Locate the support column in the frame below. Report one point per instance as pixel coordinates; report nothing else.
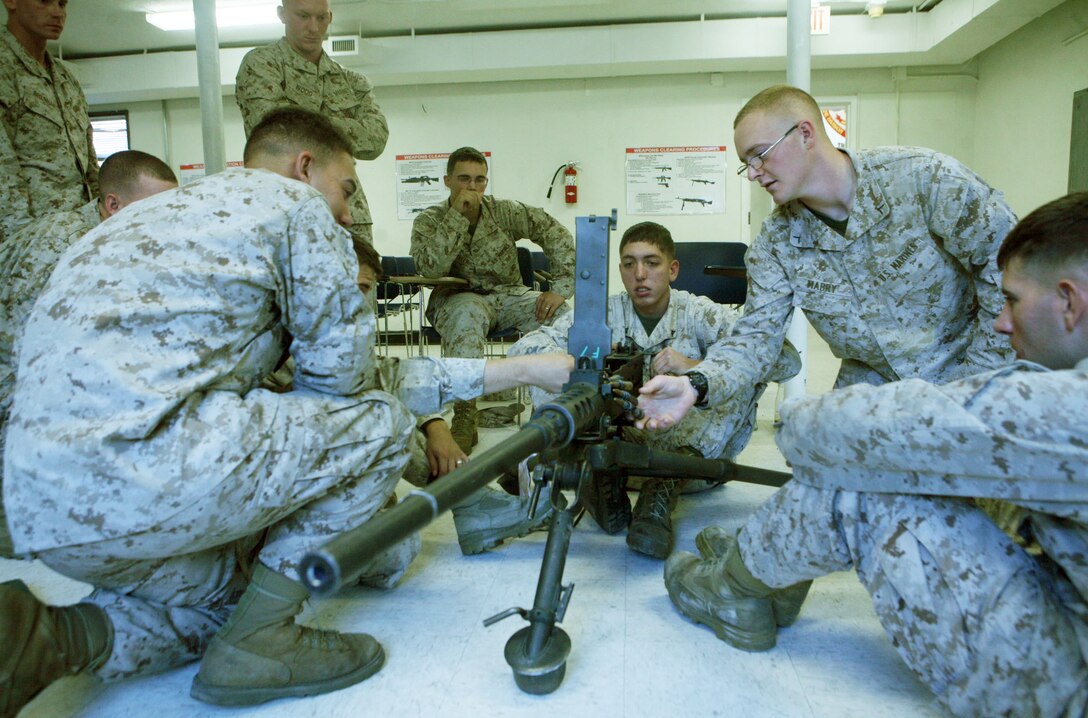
(211, 90)
(798, 74)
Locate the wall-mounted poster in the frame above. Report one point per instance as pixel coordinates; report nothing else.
(188, 173)
(419, 182)
(835, 125)
(676, 180)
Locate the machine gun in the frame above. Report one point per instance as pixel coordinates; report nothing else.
(424, 180)
(703, 181)
(685, 200)
(576, 438)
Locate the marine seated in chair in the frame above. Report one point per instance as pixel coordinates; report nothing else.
(473, 237)
(886, 483)
(144, 459)
(675, 328)
(483, 520)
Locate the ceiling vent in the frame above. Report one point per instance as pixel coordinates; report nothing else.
(341, 45)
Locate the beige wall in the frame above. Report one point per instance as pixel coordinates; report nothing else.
(1006, 115)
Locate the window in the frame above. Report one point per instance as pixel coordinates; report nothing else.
(110, 131)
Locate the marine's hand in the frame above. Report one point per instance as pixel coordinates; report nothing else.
(547, 304)
(443, 453)
(670, 361)
(467, 202)
(664, 401)
(550, 371)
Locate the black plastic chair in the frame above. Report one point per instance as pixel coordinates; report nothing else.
(696, 256)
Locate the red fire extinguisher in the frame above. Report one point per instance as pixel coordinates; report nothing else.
(570, 182)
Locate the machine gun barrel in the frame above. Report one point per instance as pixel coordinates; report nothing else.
(554, 425)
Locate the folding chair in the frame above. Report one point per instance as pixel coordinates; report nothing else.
(713, 269)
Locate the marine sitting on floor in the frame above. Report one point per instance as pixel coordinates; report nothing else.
(886, 482)
(199, 492)
(677, 327)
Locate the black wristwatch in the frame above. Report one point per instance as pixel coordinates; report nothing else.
(698, 382)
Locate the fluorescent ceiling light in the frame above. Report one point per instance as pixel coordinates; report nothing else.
(231, 16)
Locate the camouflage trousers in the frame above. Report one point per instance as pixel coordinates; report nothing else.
(979, 620)
(464, 320)
(166, 601)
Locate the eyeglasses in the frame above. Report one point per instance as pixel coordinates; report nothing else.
(756, 161)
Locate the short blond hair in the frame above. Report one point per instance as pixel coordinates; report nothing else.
(785, 100)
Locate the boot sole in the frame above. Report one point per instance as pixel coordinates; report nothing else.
(646, 545)
(745, 641)
(242, 696)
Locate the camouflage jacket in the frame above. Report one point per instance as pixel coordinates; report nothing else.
(275, 76)
(1018, 433)
(46, 152)
(135, 391)
(488, 258)
(912, 290)
(26, 261)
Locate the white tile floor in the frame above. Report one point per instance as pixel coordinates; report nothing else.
(633, 654)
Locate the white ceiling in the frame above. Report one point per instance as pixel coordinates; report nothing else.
(98, 28)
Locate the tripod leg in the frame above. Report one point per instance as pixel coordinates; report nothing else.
(538, 652)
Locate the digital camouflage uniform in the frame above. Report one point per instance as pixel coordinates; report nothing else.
(46, 151)
(690, 325)
(883, 483)
(496, 297)
(276, 76)
(147, 463)
(912, 290)
(26, 261)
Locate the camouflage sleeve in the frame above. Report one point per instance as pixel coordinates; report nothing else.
(14, 196)
(331, 321)
(258, 88)
(423, 383)
(746, 357)
(438, 235)
(533, 223)
(973, 219)
(366, 126)
(92, 160)
(992, 435)
(711, 322)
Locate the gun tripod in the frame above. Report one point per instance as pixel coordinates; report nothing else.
(537, 653)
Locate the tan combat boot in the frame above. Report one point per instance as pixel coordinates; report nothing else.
(261, 654)
(488, 517)
(43, 643)
(650, 532)
(721, 593)
(463, 426)
(714, 541)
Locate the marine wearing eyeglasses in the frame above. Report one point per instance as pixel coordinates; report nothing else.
(890, 252)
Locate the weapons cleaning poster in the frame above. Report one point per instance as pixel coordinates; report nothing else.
(676, 180)
(419, 182)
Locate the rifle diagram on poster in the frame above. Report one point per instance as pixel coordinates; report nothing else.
(676, 180)
(420, 185)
